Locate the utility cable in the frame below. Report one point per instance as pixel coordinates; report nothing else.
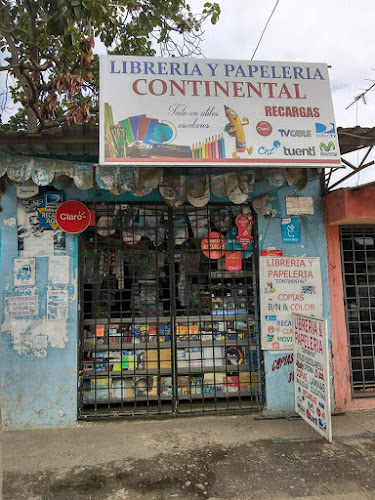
(264, 30)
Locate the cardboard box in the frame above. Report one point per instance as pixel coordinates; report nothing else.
(122, 388)
(152, 356)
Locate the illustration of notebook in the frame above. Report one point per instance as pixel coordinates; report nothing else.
(144, 123)
(150, 137)
(134, 122)
(128, 129)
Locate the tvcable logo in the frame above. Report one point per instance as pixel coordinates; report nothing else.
(295, 133)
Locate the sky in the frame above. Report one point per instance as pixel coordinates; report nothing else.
(337, 32)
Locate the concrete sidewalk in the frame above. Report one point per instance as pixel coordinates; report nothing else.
(218, 457)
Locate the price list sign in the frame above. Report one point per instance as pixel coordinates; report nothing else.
(311, 373)
(288, 285)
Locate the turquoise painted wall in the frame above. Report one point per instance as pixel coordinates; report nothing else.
(39, 387)
(39, 381)
(279, 393)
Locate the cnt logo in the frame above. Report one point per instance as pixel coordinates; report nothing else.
(325, 130)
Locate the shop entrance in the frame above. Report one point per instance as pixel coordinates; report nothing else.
(358, 264)
(169, 319)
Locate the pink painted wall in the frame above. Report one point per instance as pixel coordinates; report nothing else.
(354, 206)
(340, 348)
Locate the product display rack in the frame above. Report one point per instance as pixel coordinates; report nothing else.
(136, 359)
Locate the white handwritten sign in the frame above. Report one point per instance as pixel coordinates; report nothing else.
(287, 285)
(311, 373)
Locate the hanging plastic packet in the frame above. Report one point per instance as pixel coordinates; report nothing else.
(105, 226)
(180, 229)
(151, 226)
(222, 219)
(198, 193)
(124, 215)
(106, 177)
(246, 182)
(127, 178)
(199, 223)
(83, 175)
(20, 170)
(5, 160)
(296, 177)
(233, 189)
(274, 176)
(173, 189)
(149, 179)
(218, 185)
(43, 171)
(267, 205)
(64, 168)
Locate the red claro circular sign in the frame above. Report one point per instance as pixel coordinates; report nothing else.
(264, 128)
(213, 245)
(73, 217)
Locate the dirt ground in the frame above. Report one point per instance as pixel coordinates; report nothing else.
(216, 458)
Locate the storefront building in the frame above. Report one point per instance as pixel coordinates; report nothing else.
(351, 255)
(169, 288)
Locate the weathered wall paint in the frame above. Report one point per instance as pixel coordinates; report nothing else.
(279, 374)
(38, 356)
(278, 394)
(340, 346)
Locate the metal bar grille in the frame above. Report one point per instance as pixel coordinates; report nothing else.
(165, 328)
(358, 264)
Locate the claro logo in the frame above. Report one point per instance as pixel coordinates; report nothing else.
(79, 216)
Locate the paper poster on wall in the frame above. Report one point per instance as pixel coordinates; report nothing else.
(58, 270)
(287, 285)
(311, 373)
(24, 272)
(34, 238)
(291, 230)
(299, 205)
(57, 303)
(23, 306)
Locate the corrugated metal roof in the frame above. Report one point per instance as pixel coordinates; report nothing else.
(81, 142)
(354, 138)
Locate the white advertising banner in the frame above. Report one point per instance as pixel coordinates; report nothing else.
(287, 285)
(311, 373)
(168, 111)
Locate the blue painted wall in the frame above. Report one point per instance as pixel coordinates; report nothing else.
(41, 390)
(39, 387)
(279, 394)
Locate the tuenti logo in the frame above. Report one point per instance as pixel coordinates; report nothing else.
(327, 149)
(299, 151)
(325, 130)
(294, 133)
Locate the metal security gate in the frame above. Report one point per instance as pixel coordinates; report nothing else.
(358, 264)
(165, 326)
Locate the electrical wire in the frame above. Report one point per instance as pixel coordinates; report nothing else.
(264, 30)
